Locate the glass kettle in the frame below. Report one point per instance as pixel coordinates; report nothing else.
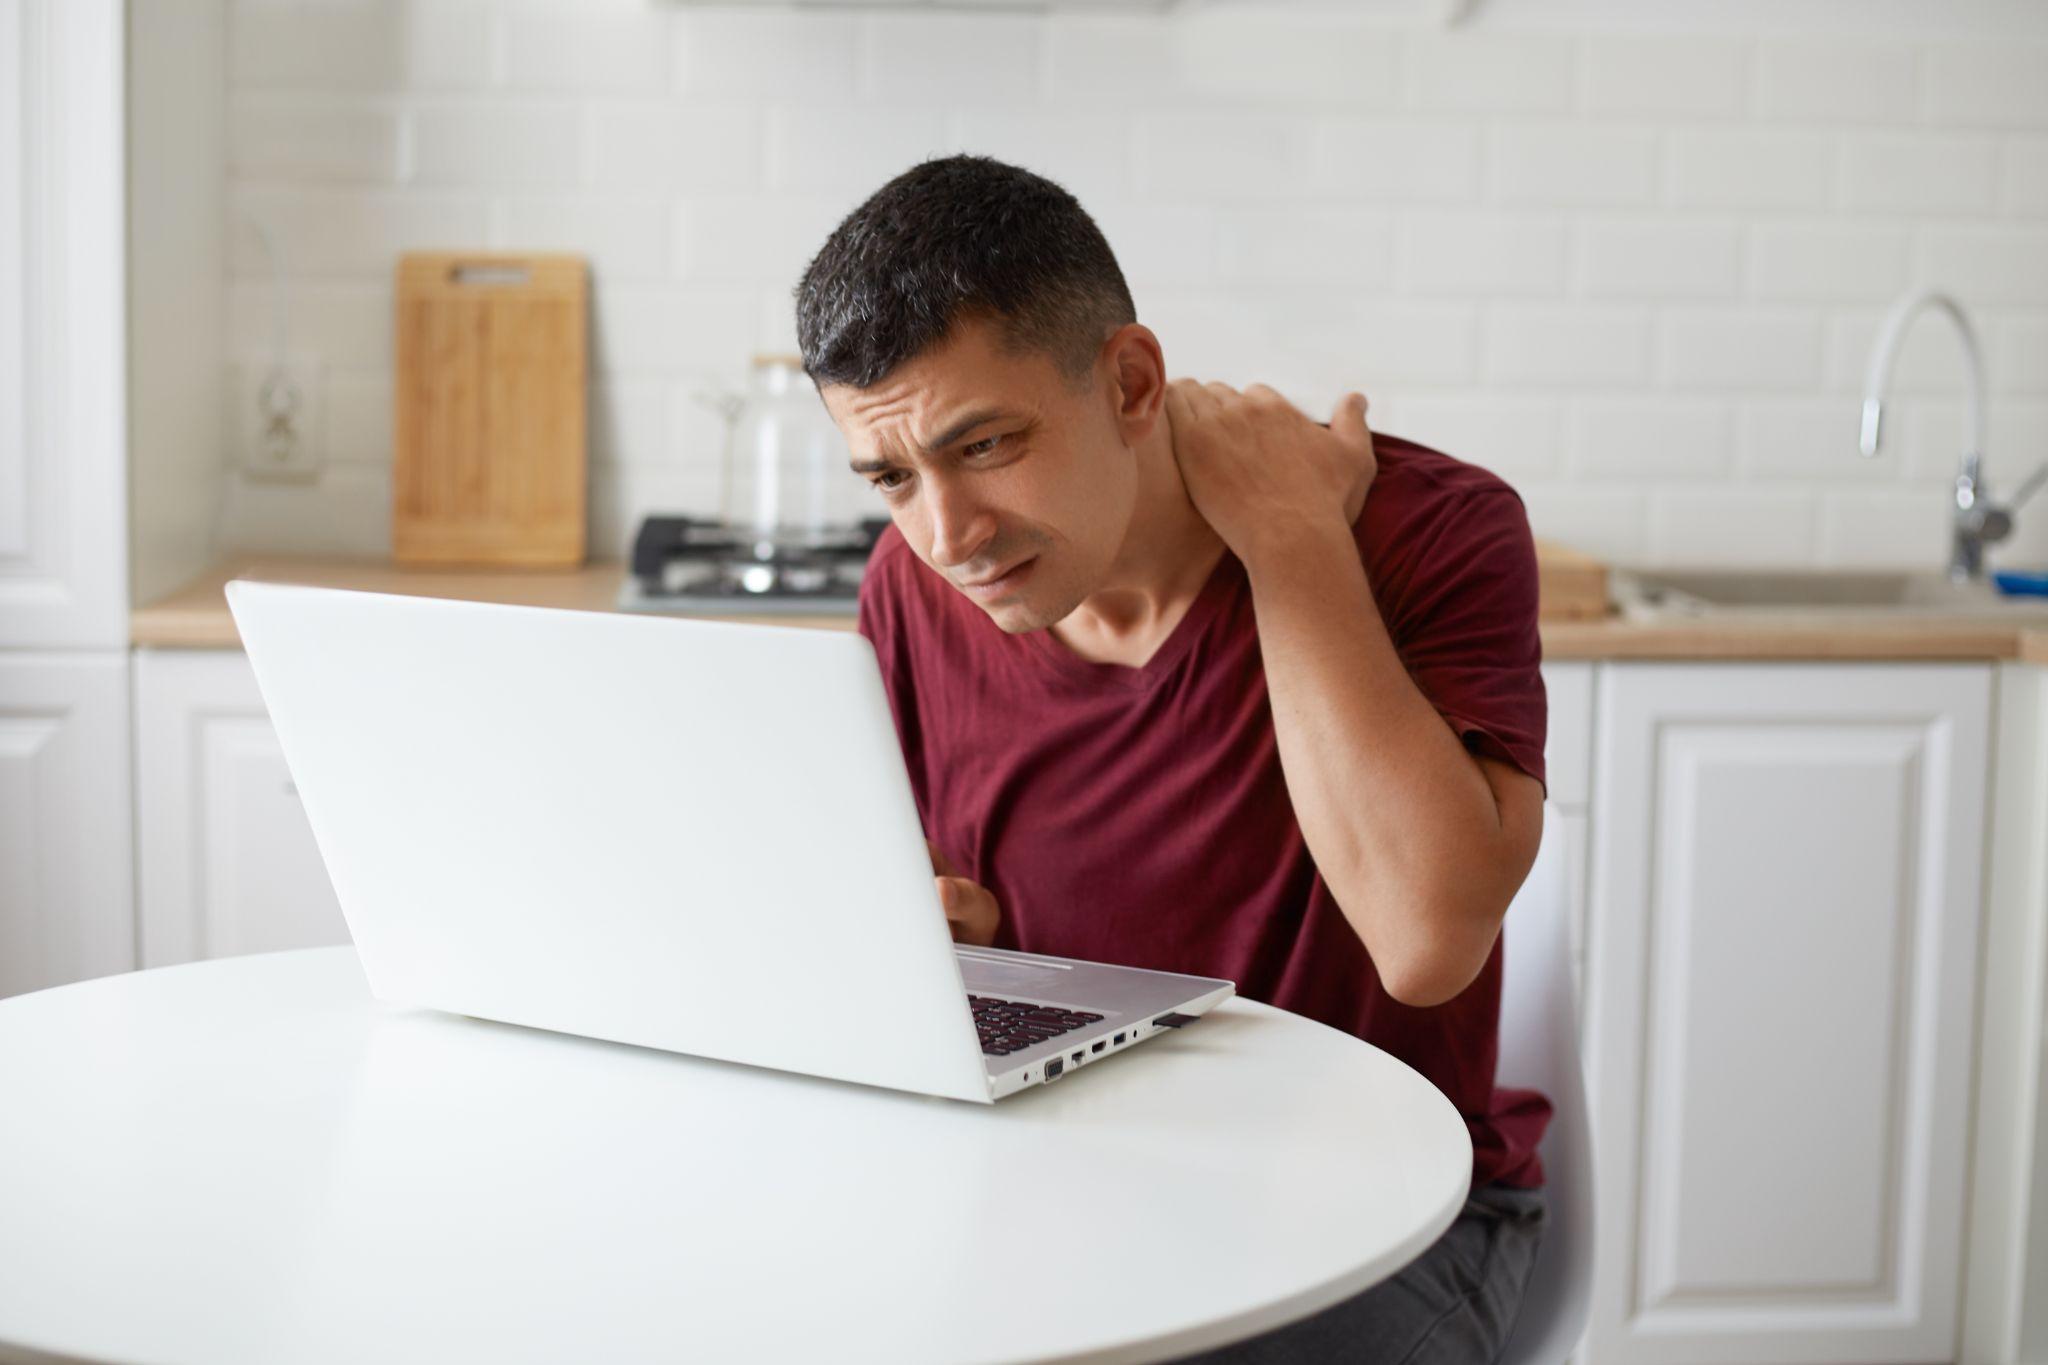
(784, 485)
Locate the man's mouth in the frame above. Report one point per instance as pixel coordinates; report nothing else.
(1002, 583)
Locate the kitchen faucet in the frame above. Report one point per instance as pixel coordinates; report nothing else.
(1978, 521)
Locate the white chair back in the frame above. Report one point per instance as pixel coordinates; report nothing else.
(1539, 1050)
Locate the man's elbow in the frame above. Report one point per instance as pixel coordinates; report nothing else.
(1440, 971)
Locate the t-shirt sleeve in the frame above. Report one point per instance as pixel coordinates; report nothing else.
(1468, 631)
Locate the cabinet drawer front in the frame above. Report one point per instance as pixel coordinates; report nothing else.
(228, 860)
(1781, 962)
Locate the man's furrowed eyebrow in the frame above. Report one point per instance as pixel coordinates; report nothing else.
(966, 423)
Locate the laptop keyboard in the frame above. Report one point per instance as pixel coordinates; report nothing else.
(1008, 1026)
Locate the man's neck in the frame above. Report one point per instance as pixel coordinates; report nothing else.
(1167, 555)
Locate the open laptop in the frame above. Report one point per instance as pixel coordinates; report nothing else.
(690, 835)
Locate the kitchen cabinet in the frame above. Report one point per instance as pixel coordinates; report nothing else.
(66, 891)
(227, 856)
(1786, 868)
(65, 859)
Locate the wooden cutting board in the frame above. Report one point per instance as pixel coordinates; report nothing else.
(488, 456)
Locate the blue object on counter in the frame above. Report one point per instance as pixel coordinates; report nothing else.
(2015, 583)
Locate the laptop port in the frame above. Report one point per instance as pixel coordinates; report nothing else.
(1098, 1047)
(1118, 1040)
(1077, 1058)
(1053, 1069)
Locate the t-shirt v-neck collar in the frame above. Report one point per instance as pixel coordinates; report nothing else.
(1165, 659)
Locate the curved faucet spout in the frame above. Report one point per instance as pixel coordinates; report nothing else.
(1889, 334)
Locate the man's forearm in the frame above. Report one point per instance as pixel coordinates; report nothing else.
(1400, 820)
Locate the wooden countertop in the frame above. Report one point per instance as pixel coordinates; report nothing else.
(196, 615)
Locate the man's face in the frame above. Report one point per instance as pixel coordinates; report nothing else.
(1006, 480)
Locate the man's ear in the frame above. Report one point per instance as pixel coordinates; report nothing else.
(1138, 368)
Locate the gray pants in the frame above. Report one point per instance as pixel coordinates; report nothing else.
(1451, 1305)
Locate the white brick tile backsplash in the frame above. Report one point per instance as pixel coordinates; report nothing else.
(1710, 527)
(532, 146)
(1812, 440)
(1730, 169)
(652, 148)
(1565, 164)
(1923, 173)
(855, 150)
(1651, 439)
(1326, 346)
(1110, 59)
(1089, 155)
(1828, 261)
(1223, 156)
(611, 50)
(1567, 346)
(346, 513)
(971, 57)
(1676, 76)
(1659, 258)
(1516, 438)
(1158, 244)
(1272, 54)
(2024, 171)
(432, 45)
(1986, 83)
(1988, 267)
(1835, 78)
(1929, 360)
(343, 325)
(765, 55)
(753, 238)
(1490, 73)
(2018, 356)
(1869, 528)
(1351, 247)
(1606, 521)
(641, 329)
(326, 47)
(288, 139)
(1486, 254)
(622, 239)
(1935, 432)
(358, 416)
(1407, 161)
(626, 418)
(1740, 349)
(334, 232)
(1636, 269)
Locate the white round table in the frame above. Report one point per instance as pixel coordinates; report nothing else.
(251, 1160)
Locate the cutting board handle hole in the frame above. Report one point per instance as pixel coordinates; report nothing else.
(488, 274)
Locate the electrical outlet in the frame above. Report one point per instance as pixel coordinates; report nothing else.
(279, 418)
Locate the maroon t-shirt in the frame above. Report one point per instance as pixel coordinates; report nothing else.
(1139, 815)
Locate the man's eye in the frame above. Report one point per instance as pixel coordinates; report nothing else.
(983, 446)
(884, 483)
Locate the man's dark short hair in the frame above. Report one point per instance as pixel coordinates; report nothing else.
(953, 238)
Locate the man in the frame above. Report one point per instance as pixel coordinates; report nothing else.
(1186, 680)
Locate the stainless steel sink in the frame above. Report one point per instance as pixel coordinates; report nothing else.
(1650, 594)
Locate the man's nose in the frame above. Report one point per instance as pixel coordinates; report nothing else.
(960, 525)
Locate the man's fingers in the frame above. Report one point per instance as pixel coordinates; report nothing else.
(941, 864)
(971, 911)
(1348, 418)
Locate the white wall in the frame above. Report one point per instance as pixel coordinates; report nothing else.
(176, 258)
(1637, 272)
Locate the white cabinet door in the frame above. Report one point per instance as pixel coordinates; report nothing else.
(63, 370)
(1781, 965)
(66, 897)
(228, 863)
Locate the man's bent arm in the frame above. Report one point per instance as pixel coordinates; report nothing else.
(1421, 843)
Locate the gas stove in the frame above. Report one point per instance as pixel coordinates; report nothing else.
(697, 564)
